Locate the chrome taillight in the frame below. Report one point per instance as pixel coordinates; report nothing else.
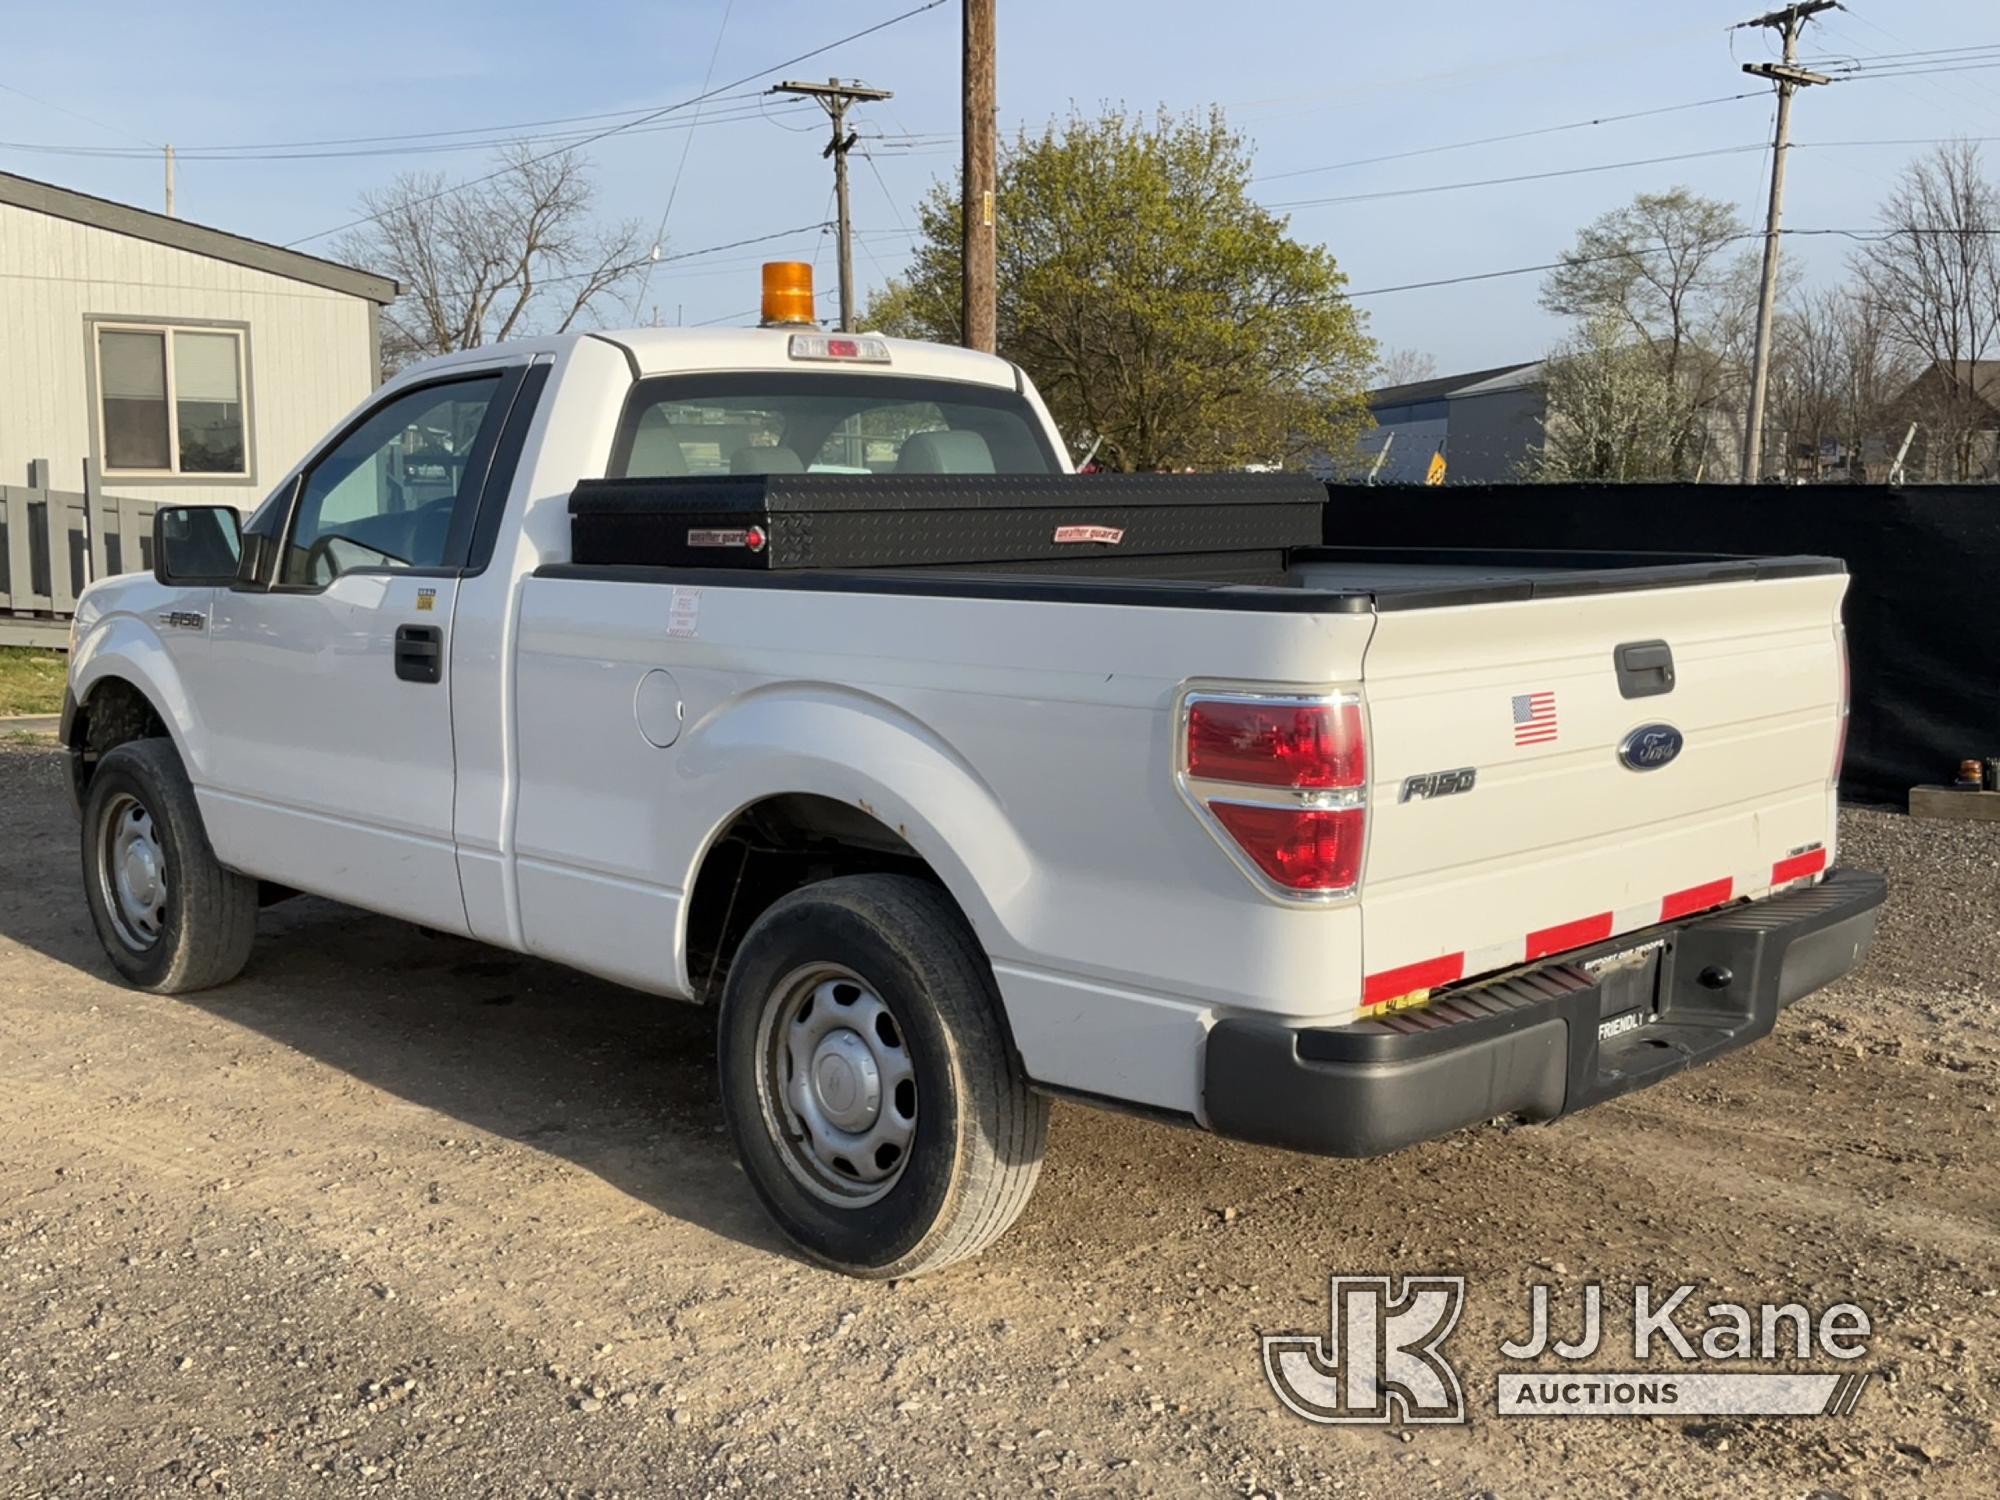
(1280, 779)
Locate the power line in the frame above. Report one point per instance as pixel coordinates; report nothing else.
(401, 136)
(1866, 73)
(1452, 187)
(1926, 96)
(652, 260)
(1351, 93)
(1929, 51)
(63, 109)
(1516, 135)
(687, 145)
(1865, 235)
(751, 312)
(574, 137)
(765, 72)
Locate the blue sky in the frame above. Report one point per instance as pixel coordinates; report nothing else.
(1312, 85)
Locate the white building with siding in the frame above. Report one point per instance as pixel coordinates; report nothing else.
(184, 363)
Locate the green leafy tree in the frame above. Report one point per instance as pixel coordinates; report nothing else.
(1161, 312)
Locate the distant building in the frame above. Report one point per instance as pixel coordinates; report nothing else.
(184, 362)
(1956, 409)
(1486, 420)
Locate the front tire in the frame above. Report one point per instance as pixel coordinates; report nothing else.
(869, 1081)
(170, 917)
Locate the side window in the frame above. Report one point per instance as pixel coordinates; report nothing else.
(385, 495)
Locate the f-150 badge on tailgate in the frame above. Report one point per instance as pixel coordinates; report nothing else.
(1439, 783)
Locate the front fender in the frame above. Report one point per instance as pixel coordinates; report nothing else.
(116, 638)
(862, 750)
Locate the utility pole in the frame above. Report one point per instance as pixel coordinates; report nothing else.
(170, 181)
(978, 178)
(1789, 77)
(834, 97)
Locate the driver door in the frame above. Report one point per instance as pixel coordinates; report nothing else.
(328, 702)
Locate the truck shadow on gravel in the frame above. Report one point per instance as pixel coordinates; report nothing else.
(617, 1083)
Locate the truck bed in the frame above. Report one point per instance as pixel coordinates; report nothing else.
(1315, 580)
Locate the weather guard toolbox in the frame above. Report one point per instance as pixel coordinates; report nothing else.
(1217, 527)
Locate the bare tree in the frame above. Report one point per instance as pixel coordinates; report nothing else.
(1934, 279)
(517, 254)
(1402, 367)
(1667, 269)
(1837, 379)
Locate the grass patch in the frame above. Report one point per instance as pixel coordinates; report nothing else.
(31, 680)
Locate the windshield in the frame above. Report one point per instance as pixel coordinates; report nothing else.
(823, 423)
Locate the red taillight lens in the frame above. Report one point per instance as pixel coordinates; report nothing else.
(1300, 822)
(1299, 848)
(1304, 746)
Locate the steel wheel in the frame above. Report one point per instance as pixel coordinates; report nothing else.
(132, 872)
(837, 1083)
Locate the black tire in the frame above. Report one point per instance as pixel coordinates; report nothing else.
(979, 1130)
(201, 932)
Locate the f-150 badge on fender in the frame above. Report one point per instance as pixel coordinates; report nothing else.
(1650, 746)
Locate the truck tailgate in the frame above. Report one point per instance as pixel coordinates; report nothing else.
(1556, 841)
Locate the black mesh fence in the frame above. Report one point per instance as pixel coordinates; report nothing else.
(1923, 604)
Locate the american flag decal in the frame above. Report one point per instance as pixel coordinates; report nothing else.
(1534, 718)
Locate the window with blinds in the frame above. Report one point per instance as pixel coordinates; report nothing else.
(171, 401)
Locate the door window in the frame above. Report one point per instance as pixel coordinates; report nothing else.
(386, 495)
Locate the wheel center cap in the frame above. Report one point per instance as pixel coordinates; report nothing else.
(142, 873)
(847, 1084)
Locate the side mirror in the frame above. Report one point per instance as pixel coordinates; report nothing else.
(196, 544)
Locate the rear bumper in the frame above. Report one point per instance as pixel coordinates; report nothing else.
(1528, 1044)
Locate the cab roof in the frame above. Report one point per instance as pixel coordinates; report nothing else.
(671, 351)
(667, 351)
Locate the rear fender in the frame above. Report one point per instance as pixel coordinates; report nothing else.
(861, 750)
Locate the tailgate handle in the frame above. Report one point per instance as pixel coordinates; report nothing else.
(1645, 669)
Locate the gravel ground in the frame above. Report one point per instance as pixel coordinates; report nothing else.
(393, 1210)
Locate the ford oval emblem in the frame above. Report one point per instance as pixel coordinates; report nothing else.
(1650, 746)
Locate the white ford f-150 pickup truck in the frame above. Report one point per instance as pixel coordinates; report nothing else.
(861, 718)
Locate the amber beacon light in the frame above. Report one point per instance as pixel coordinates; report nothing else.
(788, 293)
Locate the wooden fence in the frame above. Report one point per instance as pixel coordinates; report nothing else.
(53, 543)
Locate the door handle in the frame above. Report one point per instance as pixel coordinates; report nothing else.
(1645, 668)
(420, 653)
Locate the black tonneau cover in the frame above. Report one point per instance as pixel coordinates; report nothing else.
(1431, 578)
(1211, 527)
(1187, 541)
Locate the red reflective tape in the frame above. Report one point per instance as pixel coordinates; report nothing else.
(1568, 935)
(1393, 984)
(1696, 898)
(1809, 863)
